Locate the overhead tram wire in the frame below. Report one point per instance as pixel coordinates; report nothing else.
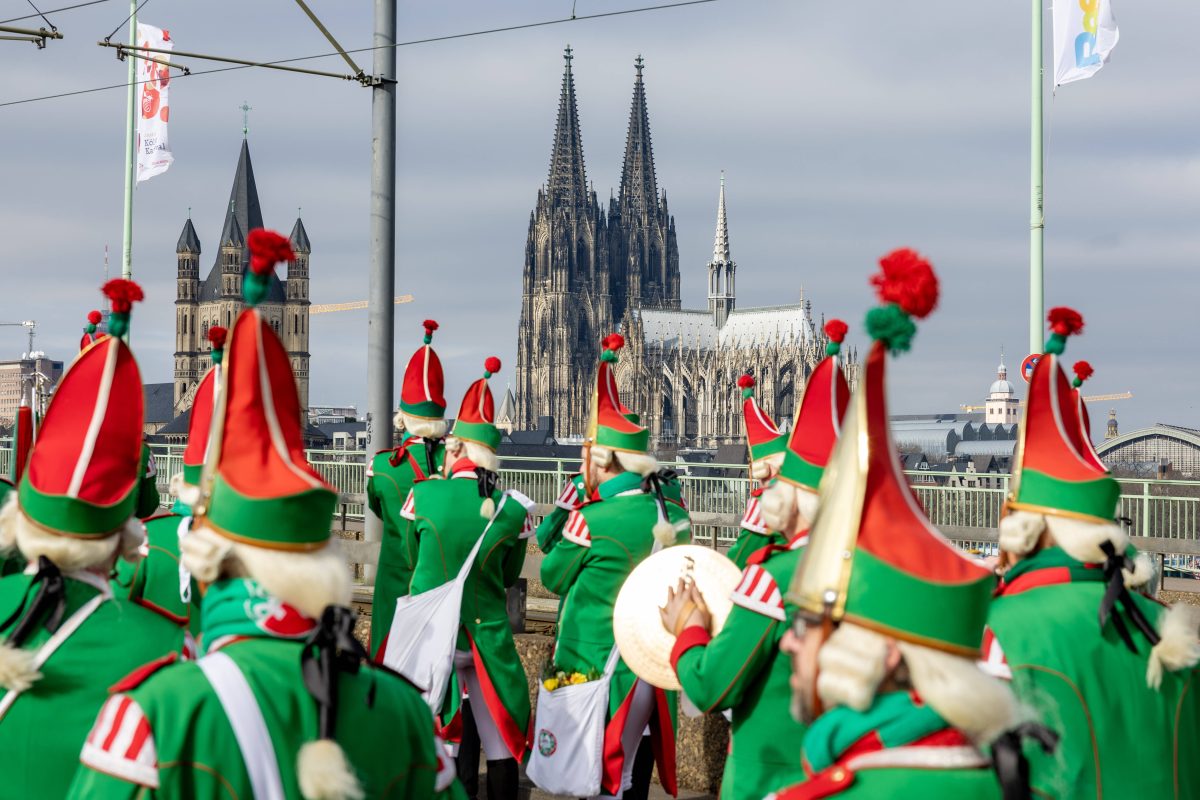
(413, 42)
(54, 11)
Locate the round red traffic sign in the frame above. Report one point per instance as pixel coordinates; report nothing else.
(1028, 364)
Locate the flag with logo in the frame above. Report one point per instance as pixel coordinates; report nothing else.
(153, 151)
(1085, 33)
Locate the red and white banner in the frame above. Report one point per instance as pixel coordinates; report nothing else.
(153, 151)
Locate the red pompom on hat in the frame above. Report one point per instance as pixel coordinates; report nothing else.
(94, 317)
(1083, 370)
(614, 342)
(491, 366)
(122, 294)
(216, 337)
(430, 325)
(746, 382)
(836, 330)
(268, 248)
(907, 280)
(1065, 321)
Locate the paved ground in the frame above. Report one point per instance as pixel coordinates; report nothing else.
(530, 792)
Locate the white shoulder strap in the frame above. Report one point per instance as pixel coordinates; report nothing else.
(249, 727)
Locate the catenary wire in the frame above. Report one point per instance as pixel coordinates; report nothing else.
(409, 43)
(40, 14)
(55, 11)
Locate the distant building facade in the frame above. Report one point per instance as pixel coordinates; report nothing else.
(17, 379)
(589, 270)
(216, 299)
(1159, 451)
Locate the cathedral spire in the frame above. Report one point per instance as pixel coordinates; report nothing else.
(721, 242)
(639, 189)
(567, 185)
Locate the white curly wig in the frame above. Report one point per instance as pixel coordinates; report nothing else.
(420, 426)
(641, 463)
(69, 553)
(788, 508)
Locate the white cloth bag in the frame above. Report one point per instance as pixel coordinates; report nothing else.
(424, 631)
(568, 742)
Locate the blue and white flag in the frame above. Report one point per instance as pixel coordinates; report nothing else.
(1085, 32)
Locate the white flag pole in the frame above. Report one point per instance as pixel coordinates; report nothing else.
(1037, 218)
(130, 161)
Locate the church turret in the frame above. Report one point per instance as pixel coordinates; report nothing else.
(187, 290)
(722, 268)
(295, 314)
(1002, 406)
(1111, 432)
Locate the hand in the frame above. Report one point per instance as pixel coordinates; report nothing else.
(685, 607)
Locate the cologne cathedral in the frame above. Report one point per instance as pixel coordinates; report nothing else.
(590, 270)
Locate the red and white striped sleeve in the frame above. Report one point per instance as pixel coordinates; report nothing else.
(752, 520)
(569, 498)
(576, 530)
(409, 509)
(759, 593)
(993, 662)
(121, 743)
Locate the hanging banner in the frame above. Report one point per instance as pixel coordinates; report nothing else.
(153, 152)
(1085, 32)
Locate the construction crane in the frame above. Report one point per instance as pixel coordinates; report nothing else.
(1092, 398)
(27, 323)
(326, 308)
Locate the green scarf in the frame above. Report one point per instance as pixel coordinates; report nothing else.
(895, 718)
(242, 607)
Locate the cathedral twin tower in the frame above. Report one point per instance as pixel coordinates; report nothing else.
(585, 266)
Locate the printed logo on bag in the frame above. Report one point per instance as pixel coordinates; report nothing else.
(547, 743)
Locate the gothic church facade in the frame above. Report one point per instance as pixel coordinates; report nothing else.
(589, 270)
(217, 298)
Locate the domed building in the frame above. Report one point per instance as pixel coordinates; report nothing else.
(1002, 406)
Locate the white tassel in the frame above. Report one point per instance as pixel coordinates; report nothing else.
(1142, 572)
(1020, 532)
(17, 672)
(1179, 644)
(325, 773)
(487, 508)
(664, 533)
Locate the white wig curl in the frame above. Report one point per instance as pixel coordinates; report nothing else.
(420, 426)
(641, 463)
(787, 508)
(479, 454)
(762, 469)
(69, 553)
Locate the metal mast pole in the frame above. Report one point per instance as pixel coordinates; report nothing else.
(381, 321)
(130, 162)
(1037, 218)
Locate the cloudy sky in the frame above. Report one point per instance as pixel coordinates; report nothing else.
(845, 129)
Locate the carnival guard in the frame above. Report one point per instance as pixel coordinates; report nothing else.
(284, 701)
(741, 668)
(465, 524)
(64, 636)
(891, 615)
(1109, 667)
(391, 474)
(765, 446)
(601, 544)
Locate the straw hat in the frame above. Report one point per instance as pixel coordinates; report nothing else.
(643, 642)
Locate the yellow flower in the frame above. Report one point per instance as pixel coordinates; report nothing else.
(578, 678)
(551, 684)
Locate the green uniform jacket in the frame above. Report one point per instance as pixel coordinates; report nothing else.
(572, 496)
(1119, 737)
(148, 498)
(43, 730)
(185, 746)
(895, 750)
(390, 476)
(754, 534)
(153, 582)
(743, 670)
(601, 544)
(445, 523)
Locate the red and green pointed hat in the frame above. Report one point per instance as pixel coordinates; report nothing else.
(82, 476)
(819, 420)
(1083, 370)
(476, 420)
(90, 331)
(612, 425)
(22, 440)
(873, 558)
(762, 435)
(423, 392)
(258, 487)
(200, 421)
(1056, 471)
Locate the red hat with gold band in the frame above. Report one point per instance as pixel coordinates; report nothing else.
(476, 421)
(1055, 470)
(82, 476)
(763, 437)
(612, 425)
(423, 391)
(258, 487)
(818, 422)
(873, 557)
